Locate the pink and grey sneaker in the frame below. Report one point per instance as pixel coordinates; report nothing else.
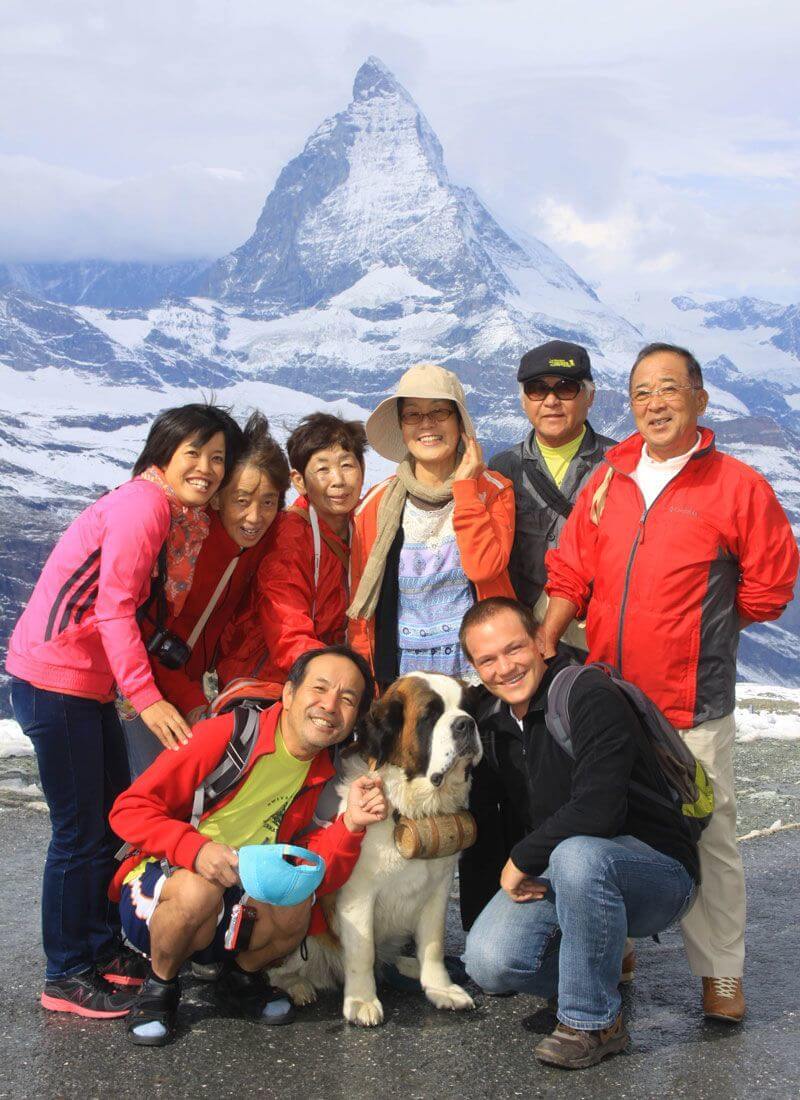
(125, 967)
(87, 994)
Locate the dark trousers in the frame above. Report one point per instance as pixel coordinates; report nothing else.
(83, 766)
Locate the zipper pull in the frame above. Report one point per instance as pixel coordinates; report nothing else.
(641, 527)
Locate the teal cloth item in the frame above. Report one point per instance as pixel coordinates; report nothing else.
(267, 875)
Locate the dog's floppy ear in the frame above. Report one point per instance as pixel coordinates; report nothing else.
(378, 730)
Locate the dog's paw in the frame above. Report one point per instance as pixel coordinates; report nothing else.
(452, 996)
(301, 991)
(363, 1013)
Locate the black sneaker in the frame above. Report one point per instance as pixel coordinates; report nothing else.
(87, 994)
(238, 993)
(153, 1017)
(125, 967)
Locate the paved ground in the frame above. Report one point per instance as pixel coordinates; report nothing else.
(419, 1052)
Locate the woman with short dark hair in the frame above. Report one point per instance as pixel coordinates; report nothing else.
(75, 645)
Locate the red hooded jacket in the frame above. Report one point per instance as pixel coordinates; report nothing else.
(663, 589)
(184, 686)
(154, 813)
(287, 614)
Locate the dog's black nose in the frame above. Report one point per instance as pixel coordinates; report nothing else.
(464, 725)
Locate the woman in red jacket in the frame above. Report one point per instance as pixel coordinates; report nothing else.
(299, 596)
(77, 643)
(432, 539)
(242, 513)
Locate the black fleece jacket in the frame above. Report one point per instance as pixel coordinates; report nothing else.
(528, 795)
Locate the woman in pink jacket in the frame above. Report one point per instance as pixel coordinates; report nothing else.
(75, 646)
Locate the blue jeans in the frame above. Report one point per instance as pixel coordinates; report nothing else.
(83, 767)
(571, 942)
(142, 746)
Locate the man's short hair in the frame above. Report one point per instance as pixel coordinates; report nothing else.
(485, 610)
(320, 431)
(693, 368)
(297, 673)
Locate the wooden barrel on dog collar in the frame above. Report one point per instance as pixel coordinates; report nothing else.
(436, 836)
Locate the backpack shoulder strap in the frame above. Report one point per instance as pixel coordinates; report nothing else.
(545, 488)
(556, 715)
(233, 763)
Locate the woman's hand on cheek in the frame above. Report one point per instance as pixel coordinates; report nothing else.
(471, 464)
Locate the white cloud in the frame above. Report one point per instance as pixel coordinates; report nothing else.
(638, 145)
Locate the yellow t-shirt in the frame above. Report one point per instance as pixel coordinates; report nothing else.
(559, 458)
(254, 814)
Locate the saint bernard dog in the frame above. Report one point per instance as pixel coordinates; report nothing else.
(423, 744)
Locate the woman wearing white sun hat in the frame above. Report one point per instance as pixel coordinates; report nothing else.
(433, 538)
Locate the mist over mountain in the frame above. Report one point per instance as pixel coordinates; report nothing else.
(365, 259)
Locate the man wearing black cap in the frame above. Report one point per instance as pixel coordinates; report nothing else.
(549, 467)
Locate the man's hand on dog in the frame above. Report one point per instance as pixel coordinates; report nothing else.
(218, 863)
(519, 886)
(366, 803)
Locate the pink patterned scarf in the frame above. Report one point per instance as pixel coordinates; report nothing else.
(187, 532)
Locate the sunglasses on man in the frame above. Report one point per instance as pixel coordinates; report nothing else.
(565, 389)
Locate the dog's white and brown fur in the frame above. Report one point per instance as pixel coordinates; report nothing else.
(422, 743)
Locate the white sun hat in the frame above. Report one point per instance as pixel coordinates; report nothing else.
(423, 380)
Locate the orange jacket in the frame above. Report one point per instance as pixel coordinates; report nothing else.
(483, 520)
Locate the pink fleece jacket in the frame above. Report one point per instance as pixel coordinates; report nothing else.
(78, 633)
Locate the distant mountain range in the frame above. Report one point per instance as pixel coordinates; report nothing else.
(365, 259)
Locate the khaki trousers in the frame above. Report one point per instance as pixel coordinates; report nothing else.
(713, 929)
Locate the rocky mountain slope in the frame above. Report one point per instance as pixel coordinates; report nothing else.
(365, 259)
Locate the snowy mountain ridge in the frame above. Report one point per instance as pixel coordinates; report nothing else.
(365, 259)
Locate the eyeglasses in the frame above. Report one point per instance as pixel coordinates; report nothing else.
(670, 392)
(565, 389)
(436, 416)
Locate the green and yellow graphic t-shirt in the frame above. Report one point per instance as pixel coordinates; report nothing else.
(559, 458)
(254, 814)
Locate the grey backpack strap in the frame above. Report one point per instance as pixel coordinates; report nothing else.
(234, 762)
(557, 713)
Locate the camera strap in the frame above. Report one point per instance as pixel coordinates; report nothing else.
(191, 641)
(158, 592)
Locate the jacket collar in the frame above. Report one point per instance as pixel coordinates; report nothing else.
(304, 503)
(494, 709)
(217, 535)
(625, 456)
(321, 768)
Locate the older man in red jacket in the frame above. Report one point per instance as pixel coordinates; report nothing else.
(672, 549)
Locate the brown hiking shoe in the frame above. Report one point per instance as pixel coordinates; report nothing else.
(723, 999)
(628, 965)
(573, 1049)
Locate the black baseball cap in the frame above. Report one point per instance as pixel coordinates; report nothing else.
(555, 357)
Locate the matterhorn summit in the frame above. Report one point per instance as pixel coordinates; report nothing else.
(371, 189)
(366, 225)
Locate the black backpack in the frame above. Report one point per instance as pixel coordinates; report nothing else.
(691, 793)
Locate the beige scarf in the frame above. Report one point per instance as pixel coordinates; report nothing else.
(390, 514)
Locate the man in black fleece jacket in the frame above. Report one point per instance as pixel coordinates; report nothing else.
(582, 857)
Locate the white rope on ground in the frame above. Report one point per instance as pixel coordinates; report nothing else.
(777, 827)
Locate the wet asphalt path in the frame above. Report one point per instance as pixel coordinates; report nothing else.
(419, 1052)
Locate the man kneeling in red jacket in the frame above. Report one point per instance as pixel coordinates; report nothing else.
(177, 891)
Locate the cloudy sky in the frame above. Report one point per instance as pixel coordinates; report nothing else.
(652, 146)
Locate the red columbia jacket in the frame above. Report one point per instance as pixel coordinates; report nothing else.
(154, 813)
(184, 686)
(663, 589)
(286, 614)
